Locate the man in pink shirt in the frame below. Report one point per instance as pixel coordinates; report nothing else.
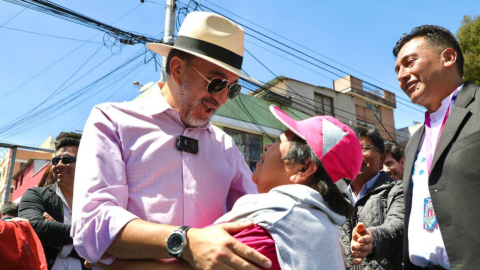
(148, 166)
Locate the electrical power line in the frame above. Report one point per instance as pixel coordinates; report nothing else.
(13, 17)
(289, 47)
(64, 13)
(48, 35)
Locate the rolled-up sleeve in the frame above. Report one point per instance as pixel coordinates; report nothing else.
(101, 190)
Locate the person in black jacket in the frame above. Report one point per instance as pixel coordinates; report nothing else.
(49, 209)
(379, 210)
(441, 159)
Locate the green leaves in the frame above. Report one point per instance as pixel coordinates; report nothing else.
(468, 36)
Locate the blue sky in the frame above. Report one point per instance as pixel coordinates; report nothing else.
(354, 36)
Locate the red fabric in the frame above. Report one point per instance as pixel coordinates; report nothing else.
(20, 247)
(259, 239)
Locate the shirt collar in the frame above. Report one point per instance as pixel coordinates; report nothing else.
(440, 113)
(59, 192)
(372, 181)
(364, 189)
(153, 102)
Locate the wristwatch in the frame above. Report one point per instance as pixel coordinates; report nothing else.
(177, 241)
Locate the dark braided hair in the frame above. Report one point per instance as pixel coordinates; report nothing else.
(301, 152)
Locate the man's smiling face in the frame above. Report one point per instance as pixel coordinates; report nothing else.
(420, 72)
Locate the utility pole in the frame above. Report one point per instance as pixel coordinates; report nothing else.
(169, 32)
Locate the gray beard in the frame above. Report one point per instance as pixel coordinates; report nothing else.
(187, 103)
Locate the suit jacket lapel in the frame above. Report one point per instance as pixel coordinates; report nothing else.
(56, 202)
(455, 119)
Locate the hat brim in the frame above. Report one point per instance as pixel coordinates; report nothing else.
(164, 49)
(286, 120)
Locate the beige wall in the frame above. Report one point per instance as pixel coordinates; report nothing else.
(386, 117)
(347, 82)
(344, 107)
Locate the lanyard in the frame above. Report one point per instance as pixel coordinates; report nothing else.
(428, 130)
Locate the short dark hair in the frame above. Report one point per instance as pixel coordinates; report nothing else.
(10, 209)
(437, 37)
(174, 52)
(373, 135)
(300, 152)
(394, 150)
(66, 142)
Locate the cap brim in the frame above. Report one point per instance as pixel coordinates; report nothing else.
(164, 49)
(286, 120)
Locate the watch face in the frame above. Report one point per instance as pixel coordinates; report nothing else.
(175, 243)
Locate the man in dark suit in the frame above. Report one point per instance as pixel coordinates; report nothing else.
(442, 165)
(49, 209)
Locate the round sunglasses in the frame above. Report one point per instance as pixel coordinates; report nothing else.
(65, 160)
(218, 84)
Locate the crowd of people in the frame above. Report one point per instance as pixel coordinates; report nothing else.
(154, 185)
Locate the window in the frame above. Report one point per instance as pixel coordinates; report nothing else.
(375, 108)
(249, 144)
(323, 105)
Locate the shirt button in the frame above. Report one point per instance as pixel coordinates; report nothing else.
(187, 159)
(436, 190)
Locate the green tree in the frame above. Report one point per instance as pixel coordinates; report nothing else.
(468, 36)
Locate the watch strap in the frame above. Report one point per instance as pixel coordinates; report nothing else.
(180, 230)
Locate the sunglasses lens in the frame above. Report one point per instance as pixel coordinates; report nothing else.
(68, 159)
(55, 160)
(216, 85)
(234, 90)
(65, 160)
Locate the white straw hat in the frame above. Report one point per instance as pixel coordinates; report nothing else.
(210, 37)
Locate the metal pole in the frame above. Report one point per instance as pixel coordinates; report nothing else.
(169, 32)
(10, 174)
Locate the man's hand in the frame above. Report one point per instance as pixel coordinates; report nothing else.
(362, 243)
(215, 248)
(48, 217)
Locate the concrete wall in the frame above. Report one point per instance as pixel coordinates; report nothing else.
(347, 82)
(343, 104)
(386, 117)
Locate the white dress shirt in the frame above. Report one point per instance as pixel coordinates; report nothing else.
(426, 246)
(63, 262)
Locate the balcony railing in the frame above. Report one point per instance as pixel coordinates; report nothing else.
(377, 91)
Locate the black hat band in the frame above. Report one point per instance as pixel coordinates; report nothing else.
(209, 49)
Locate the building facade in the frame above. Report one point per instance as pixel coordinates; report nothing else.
(28, 176)
(373, 106)
(21, 158)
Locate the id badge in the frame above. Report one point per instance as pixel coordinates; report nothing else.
(429, 218)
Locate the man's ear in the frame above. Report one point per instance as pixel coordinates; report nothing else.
(449, 57)
(402, 161)
(177, 68)
(304, 172)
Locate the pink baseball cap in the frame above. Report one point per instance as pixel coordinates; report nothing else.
(334, 143)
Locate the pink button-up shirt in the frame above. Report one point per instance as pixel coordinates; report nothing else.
(128, 167)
